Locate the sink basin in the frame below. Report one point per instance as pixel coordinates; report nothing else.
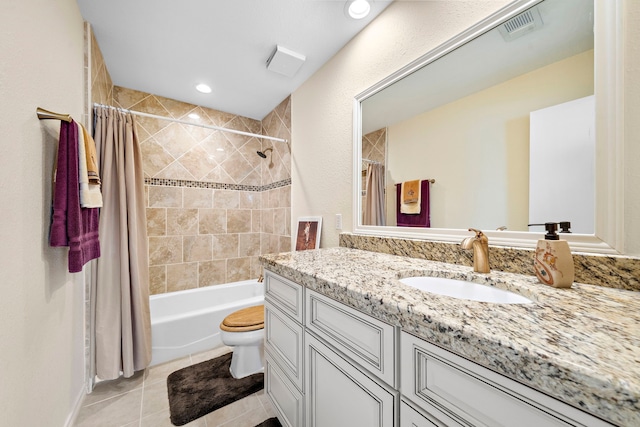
(464, 290)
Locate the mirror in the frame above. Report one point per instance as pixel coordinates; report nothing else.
(473, 115)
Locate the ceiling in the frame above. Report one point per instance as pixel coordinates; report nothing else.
(167, 47)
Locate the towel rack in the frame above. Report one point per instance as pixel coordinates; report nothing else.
(431, 180)
(50, 115)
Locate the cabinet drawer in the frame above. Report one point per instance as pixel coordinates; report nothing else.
(433, 377)
(287, 295)
(368, 341)
(284, 341)
(285, 397)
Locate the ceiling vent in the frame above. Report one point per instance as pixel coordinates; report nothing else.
(524, 23)
(285, 61)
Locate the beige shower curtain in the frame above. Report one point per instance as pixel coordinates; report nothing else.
(374, 200)
(120, 289)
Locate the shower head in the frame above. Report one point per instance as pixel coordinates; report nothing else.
(263, 154)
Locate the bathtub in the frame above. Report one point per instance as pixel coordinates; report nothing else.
(187, 322)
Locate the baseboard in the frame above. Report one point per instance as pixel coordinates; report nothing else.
(71, 418)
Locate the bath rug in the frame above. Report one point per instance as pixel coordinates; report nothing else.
(199, 389)
(271, 422)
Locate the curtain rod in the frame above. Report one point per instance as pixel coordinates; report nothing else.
(184, 122)
(371, 161)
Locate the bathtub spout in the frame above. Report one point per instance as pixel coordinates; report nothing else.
(260, 279)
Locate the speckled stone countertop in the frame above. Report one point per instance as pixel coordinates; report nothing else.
(580, 345)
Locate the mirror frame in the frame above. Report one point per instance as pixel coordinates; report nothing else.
(608, 237)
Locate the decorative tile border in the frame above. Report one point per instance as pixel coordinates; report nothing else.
(215, 185)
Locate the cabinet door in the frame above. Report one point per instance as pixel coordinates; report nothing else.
(286, 398)
(409, 417)
(283, 339)
(340, 395)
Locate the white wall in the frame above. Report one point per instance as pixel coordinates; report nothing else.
(41, 304)
(322, 106)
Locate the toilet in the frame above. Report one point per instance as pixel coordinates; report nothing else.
(244, 331)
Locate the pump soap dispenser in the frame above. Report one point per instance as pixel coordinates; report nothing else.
(553, 262)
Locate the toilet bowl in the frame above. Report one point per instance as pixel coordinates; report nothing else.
(244, 331)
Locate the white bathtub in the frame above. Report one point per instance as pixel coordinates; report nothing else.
(187, 322)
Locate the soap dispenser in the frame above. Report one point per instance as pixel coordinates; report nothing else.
(553, 262)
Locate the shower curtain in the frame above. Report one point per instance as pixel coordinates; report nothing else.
(120, 288)
(374, 200)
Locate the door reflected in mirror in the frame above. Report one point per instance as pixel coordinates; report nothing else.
(484, 122)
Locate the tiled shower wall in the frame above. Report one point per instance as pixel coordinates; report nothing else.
(374, 146)
(213, 205)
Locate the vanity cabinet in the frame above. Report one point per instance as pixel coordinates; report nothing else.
(455, 392)
(326, 364)
(329, 365)
(350, 366)
(284, 348)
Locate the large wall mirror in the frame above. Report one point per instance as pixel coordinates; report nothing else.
(511, 123)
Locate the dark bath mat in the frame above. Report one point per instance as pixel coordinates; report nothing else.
(198, 389)
(271, 422)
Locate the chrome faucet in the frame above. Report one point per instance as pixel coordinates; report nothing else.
(480, 245)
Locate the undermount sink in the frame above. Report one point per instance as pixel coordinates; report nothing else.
(462, 289)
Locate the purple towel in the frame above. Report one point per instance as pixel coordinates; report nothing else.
(71, 225)
(423, 219)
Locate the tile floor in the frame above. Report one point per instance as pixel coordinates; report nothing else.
(141, 401)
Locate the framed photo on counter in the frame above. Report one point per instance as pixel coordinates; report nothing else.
(308, 235)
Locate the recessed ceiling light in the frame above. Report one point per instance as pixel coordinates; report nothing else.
(203, 88)
(194, 116)
(358, 9)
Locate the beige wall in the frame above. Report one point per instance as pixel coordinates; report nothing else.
(486, 137)
(631, 19)
(41, 308)
(322, 107)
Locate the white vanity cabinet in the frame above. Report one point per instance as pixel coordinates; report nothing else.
(350, 366)
(329, 365)
(453, 391)
(326, 364)
(284, 348)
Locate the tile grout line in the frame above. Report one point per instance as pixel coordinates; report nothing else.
(141, 400)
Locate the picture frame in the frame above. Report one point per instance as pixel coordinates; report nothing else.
(308, 233)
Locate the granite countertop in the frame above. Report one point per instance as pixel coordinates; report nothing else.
(580, 345)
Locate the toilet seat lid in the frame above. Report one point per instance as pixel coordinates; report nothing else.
(247, 319)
